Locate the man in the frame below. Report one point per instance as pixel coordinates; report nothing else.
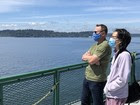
(98, 57)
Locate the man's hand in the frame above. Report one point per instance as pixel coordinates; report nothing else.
(88, 53)
(91, 59)
(85, 56)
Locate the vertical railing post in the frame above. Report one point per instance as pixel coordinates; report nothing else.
(1, 94)
(56, 91)
(133, 57)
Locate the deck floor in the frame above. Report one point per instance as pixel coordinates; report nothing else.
(135, 103)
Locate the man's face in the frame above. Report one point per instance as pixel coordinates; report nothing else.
(98, 30)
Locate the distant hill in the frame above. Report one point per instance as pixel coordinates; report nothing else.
(45, 33)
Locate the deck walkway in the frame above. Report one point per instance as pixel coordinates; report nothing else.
(135, 103)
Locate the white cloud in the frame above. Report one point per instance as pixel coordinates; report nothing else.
(59, 16)
(8, 25)
(13, 5)
(64, 3)
(69, 26)
(128, 21)
(80, 16)
(73, 18)
(122, 21)
(109, 8)
(36, 23)
(33, 23)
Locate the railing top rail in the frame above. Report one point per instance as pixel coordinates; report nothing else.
(41, 73)
(138, 57)
(138, 54)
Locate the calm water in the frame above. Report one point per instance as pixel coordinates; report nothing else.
(22, 55)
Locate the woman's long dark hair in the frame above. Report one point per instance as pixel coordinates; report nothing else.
(125, 38)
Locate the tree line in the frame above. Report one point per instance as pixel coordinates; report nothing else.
(45, 33)
(42, 33)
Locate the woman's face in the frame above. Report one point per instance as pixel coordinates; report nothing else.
(117, 41)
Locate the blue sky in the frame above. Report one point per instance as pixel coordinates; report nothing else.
(70, 15)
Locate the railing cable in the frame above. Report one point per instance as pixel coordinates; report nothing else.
(47, 94)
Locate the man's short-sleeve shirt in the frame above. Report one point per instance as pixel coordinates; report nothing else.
(98, 72)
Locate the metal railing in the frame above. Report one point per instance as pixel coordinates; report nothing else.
(64, 83)
(27, 89)
(138, 56)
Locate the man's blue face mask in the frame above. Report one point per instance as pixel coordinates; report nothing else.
(111, 42)
(96, 37)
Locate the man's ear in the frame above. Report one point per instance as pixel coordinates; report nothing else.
(103, 34)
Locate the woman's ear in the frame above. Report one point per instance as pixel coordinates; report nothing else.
(120, 42)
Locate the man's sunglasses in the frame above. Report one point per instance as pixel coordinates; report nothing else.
(97, 31)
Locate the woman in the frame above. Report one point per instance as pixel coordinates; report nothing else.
(116, 88)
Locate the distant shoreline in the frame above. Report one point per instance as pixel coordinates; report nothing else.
(47, 33)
